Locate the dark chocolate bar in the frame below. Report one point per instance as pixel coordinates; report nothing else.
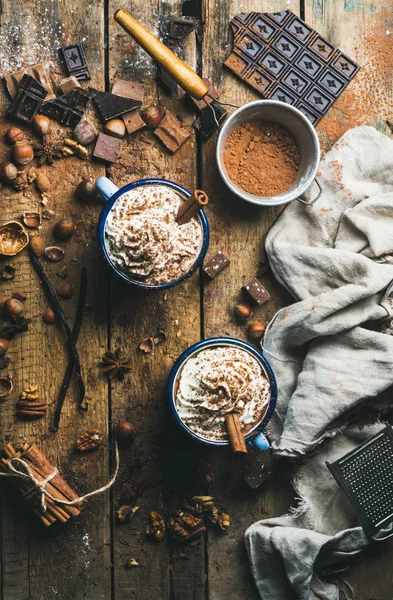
(28, 99)
(216, 265)
(255, 290)
(283, 58)
(206, 123)
(68, 109)
(111, 106)
(75, 61)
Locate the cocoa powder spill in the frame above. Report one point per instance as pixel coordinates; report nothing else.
(262, 158)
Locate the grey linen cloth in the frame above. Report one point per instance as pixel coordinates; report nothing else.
(335, 258)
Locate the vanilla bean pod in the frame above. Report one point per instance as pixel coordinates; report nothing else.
(75, 334)
(58, 310)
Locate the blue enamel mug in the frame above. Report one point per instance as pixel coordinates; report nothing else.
(255, 437)
(110, 192)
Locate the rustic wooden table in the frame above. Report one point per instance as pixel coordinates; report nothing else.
(85, 558)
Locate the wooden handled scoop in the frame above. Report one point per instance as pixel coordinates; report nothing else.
(178, 70)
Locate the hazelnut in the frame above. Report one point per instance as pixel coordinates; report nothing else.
(124, 433)
(14, 134)
(3, 346)
(41, 124)
(48, 316)
(65, 228)
(12, 308)
(153, 116)
(85, 133)
(23, 153)
(255, 330)
(37, 245)
(115, 127)
(65, 291)
(86, 189)
(8, 171)
(42, 182)
(242, 312)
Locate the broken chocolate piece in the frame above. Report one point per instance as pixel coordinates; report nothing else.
(258, 475)
(216, 265)
(111, 106)
(28, 99)
(205, 123)
(168, 81)
(12, 80)
(133, 121)
(179, 29)
(283, 58)
(200, 104)
(67, 85)
(129, 89)
(171, 133)
(68, 109)
(107, 148)
(256, 291)
(75, 61)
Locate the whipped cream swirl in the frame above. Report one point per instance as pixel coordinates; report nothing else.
(143, 238)
(217, 381)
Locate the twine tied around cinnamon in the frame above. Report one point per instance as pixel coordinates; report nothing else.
(40, 486)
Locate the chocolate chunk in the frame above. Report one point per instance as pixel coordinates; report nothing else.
(171, 133)
(129, 89)
(133, 121)
(201, 104)
(283, 58)
(75, 61)
(28, 99)
(179, 30)
(256, 291)
(67, 85)
(111, 106)
(107, 148)
(206, 123)
(257, 475)
(12, 80)
(68, 109)
(215, 265)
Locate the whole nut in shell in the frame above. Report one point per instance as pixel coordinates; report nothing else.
(85, 133)
(256, 330)
(37, 245)
(88, 441)
(14, 134)
(12, 307)
(65, 228)
(23, 153)
(116, 128)
(65, 291)
(124, 433)
(86, 189)
(153, 116)
(48, 316)
(8, 171)
(41, 124)
(242, 312)
(3, 346)
(42, 182)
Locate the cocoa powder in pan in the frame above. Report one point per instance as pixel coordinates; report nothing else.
(262, 158)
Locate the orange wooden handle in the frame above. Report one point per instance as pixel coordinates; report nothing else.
(181, 73)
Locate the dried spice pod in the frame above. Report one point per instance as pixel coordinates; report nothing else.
(5, 387)
(37, 245)
(8, 272)
(13, 238)
(125, 513)
(115, 364)
(156, 528)
(54, 253)
(88, 441)
(32, 219)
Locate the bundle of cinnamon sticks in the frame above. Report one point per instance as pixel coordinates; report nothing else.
(41, 469)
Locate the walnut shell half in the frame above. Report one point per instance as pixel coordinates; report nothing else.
(13, 238)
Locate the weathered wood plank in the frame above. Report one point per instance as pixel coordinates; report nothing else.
(238, 230)
(363, 31)
(154, 468)
(71, 561)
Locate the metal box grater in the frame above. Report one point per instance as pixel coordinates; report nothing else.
(366, 476)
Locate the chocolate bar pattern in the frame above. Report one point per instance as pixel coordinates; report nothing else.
(283, 58)
(28, 99)
(68, 109)
(75, 61)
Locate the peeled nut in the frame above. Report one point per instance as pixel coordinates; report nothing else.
(242, 312)
(42, 182)
(8, 171)
(115, 128)
(41, 124)
(85, 133)
(256, 330)
(37, 245)
(65, 228)
(23, 153)
(153, 116)
(48, 316)
(14, 134)
(86, 189)
(12, 307)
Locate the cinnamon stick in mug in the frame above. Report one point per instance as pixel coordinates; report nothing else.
(190, 207)
(235, 434)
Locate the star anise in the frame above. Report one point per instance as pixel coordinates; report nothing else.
(48, 152)
(15, 325)
(115, 364)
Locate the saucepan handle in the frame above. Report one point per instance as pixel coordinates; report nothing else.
(106, 188)
(259, 443)
(311, 202)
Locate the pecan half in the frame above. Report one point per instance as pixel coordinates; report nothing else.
(88, 441)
